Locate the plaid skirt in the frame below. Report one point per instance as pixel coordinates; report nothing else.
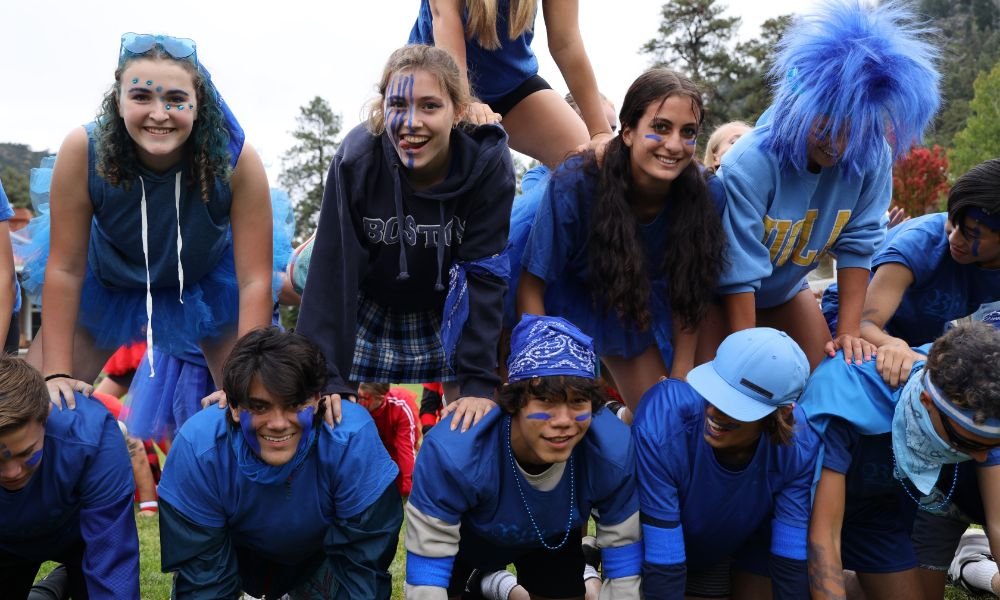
(398, 346)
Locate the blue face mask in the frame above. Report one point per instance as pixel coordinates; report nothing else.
(917, 447)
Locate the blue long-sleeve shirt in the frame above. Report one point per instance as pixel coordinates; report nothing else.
(779, 222)
(81, 492)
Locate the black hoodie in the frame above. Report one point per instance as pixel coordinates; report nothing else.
(357, 247)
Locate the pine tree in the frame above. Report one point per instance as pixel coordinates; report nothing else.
(980, 139)
(307, 162)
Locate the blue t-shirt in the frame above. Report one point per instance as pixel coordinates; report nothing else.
(780, 222)
(346, 471)
(492, 73)
(468, 478)
(556, 250)
(78, 493)
(942, 289)
(6, 212)
(681, 480)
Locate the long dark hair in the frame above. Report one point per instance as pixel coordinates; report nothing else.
(693, 257)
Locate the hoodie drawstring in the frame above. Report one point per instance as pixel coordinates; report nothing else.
(149, 293)
(180, 264)
(440, 247)
(401, 222)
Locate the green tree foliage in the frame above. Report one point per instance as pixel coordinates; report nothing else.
(970, 44)
(696, 38)
(15, 185)
(980, 139)
(306, 163)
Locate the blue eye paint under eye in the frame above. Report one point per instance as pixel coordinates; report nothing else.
(975, 231)
(692, 141)
(249, 433)
(305, 417)
(584, 417)
(539, 416)
(654, 137)
(34, 459)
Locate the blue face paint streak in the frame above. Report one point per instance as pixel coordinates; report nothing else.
(976, 233)
(34, 459)
(582, 418)
(409, 112)
(305, 417)
(691, 142)
(654, 137)
(539, 416)
(5, 451)
(249, 433)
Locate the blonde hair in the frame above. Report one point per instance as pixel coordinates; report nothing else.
(482, 20)
(712, 147)
(23, 396)
(415, 57)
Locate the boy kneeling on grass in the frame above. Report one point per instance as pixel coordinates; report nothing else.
(266, 498)
(65, 492)
(517, 487)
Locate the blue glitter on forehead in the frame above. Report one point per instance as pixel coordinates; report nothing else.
(135, 80)
(149, 82)
(159, 88)
(190, 106)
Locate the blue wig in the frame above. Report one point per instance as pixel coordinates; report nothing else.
(868, 71)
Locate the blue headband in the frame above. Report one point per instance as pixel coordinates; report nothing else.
(990, 428)
(542, 346)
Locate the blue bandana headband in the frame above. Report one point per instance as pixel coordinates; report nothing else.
(989, 428)
(542, 346)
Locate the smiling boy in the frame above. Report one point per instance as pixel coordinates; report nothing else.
(265, 498)
(65, 492)
(517, 487)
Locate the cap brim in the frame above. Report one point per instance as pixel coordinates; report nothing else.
(713, 388)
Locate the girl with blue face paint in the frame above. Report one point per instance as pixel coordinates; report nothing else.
(931, 446)
(160, 223)
(408, 280)
(630, 248)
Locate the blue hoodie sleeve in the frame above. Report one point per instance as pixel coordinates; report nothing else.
(107, 524)
(329, 312)
(865, 231)
(485, 235)
(748, 178)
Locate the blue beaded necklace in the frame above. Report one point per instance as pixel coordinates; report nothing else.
(520, 490)
(900, 477)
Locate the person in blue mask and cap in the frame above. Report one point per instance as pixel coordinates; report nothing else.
(517, 487)
(932, 445)
(725, 465)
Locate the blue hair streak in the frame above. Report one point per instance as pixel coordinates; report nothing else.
(867, 73)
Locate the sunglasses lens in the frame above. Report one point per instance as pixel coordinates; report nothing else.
(137, 43)
(177, 47)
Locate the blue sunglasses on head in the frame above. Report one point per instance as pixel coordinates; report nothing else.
(140, 43)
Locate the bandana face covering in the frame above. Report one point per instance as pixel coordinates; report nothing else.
(918, 449)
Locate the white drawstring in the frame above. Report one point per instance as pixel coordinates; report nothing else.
(180, 264)
(149, 293)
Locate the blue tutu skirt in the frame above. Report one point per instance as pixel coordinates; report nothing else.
(117, 316)
(158, 406)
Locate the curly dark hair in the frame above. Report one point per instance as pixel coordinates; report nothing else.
(207, 147)
(694, 254)
(514, 396)
(287, 364)
(965, 365)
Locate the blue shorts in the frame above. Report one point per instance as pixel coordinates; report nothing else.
(876, 534)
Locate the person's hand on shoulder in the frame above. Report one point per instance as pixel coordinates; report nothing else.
(62, 387)
(895, 360)
(468, 410)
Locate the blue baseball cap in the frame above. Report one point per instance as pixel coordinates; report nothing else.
(754, 372)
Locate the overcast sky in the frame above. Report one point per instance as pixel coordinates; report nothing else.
(268, 58)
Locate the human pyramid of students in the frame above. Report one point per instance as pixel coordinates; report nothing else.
(761, 450)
